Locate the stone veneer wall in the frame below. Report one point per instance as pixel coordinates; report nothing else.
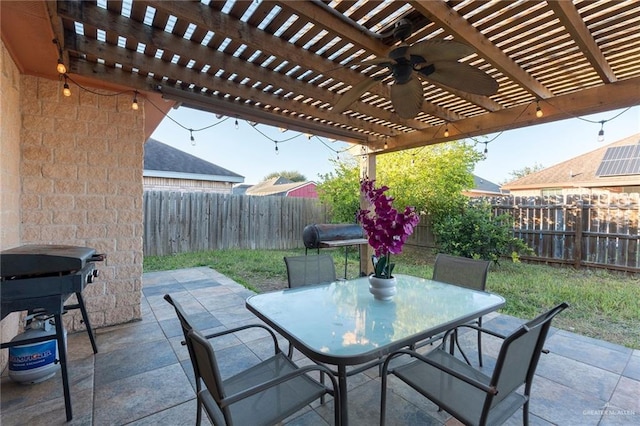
(10, 124)
(72, 174)
(82, 160)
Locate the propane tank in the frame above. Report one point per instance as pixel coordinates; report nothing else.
(35, 362)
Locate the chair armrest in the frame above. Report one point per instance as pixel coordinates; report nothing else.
(475, 327)
(244, 327)
(274, 382)
(470, 380)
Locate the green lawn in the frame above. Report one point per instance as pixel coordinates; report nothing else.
(604, 305)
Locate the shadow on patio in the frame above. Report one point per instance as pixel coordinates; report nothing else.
(142, 375)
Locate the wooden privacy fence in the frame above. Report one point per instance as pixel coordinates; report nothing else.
(182, 222)
(581, 230)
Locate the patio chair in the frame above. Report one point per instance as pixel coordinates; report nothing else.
(468, 394)
(263, 394)
(310, 270)
(464, 272)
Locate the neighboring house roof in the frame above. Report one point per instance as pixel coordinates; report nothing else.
(241, 189)
(482, 186)
(162, 160)
(276, 186)
(580, 171)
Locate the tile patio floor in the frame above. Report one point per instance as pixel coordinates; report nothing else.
(142, 375)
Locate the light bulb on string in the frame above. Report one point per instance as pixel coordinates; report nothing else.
(193, 140)
(486, 150)
(61, 68)
(134, 103)
(237, 124)
(66, 91)
(539, 112)
(276, 143)
(601, 132)
(446, 131)
(385, 145)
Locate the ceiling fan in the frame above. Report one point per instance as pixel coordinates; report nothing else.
(433, 60)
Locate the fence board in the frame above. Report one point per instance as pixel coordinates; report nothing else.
(177, 222)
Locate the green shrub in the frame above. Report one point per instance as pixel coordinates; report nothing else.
(475, 233)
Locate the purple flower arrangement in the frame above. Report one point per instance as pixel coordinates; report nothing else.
(387, 229)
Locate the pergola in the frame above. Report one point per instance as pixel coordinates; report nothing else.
(286, 63)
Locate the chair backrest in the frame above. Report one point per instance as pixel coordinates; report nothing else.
(186, 328)
(310, 270)
(519, 355)
(205, 358)
(461, 271)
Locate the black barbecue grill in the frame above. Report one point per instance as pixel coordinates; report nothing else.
(330, 235)
(39, 279)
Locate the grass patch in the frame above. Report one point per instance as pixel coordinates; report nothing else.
(604, 305)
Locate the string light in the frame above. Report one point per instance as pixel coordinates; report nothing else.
(446, 130)
(193, 140)
(539, 112)
(385, 144)
(134, 103)
(601, 132)
(65, 88)
(237, 124)
(276, 143)
(61, 68)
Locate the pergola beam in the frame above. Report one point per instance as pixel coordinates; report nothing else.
(441, 13)
(570, 18)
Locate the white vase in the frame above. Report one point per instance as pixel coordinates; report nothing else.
(382, 288)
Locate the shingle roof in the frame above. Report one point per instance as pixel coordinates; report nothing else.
(162, 157)
(275, 186)
(483, 185)
(579, 171)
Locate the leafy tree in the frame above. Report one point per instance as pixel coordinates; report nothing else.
(430, 178)
(340, 190)
(292, 175)
(520, 173)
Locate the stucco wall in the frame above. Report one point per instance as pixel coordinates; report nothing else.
(10, 125)
(72, 174)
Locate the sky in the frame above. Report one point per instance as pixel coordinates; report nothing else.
(250, 151)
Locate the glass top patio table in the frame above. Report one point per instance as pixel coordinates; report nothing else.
(342, 324)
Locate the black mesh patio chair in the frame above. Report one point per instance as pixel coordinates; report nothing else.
(310, 270)
(265, 393)
(463, 272)
(468, 394)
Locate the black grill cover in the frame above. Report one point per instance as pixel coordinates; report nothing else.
(312, 235)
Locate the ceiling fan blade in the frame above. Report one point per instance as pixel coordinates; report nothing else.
(463, 77)
(407, 98)
(354, 94)
(440, 50)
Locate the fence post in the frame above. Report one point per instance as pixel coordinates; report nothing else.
(577, 244)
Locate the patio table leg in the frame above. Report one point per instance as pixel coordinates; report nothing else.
(342, 385)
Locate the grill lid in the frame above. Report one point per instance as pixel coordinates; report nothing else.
(43, 259)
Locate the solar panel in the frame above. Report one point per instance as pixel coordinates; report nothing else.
(620, 160)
